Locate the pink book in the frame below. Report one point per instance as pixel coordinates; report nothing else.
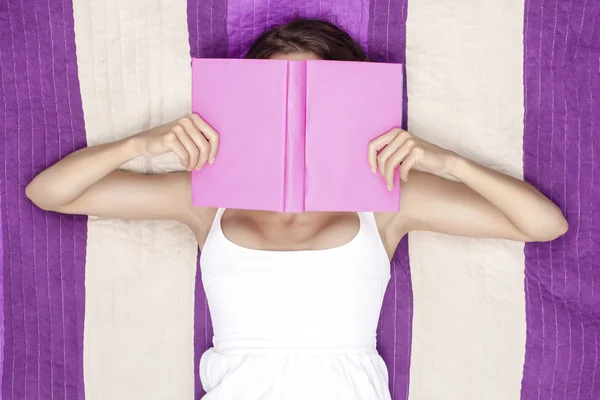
(294, 134)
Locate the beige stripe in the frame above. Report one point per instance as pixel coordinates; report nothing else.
(133, 59)
(465, 90)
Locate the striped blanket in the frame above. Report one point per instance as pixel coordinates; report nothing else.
(114, 309)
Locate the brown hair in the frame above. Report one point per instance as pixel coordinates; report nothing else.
(324, 39)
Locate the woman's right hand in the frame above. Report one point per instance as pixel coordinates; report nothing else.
(193, 140)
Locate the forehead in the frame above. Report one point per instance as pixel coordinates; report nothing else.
(296, 56)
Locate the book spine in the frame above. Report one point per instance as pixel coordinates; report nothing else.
(295, 137)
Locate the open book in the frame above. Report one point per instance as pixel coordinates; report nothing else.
(294, 134)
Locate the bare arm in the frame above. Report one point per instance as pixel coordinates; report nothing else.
(495, 206)
(484, 203)
(88, 181)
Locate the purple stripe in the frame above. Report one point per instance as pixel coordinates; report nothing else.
(394, 334)
(386, 36)
(387, 30)
(387, 43)
(203, 331)
(45, 253)
(2, 330)
(247, 19)
(207, 26)
(562, 115)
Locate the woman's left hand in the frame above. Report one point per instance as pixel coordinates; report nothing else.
(399, 148)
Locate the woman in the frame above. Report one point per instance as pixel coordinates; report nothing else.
(295, 298)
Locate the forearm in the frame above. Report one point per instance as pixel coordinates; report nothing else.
(529, 210)
(69, 178)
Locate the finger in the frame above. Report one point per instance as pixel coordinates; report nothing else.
(189, 146)
(205, 150)
(199, 140)
(383, 159)
(189, 127)
(177, 148)
(394, 161)
(379, 143)
(403, 139)
(392, 164)
(398, 157)
(408, 164)
(390, 171)
(210, 134)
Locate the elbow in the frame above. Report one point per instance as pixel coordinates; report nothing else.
(564, 227)
(32, 192)
(551, 232)
(561, 228)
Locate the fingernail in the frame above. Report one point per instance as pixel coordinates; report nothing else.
(212, 160)
(374, 170)
(389, 188)
(198, 168)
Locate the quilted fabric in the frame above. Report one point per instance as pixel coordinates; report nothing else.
(41, 121)
(560, 156)
(513, 86)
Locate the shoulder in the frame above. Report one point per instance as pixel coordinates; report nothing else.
(389, 232)
(200, 221)
(394, 226)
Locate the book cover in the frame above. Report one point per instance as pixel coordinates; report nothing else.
(294, 134)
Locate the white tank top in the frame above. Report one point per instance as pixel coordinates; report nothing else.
(302, 303)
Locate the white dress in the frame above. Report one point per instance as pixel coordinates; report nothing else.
(295, 324)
